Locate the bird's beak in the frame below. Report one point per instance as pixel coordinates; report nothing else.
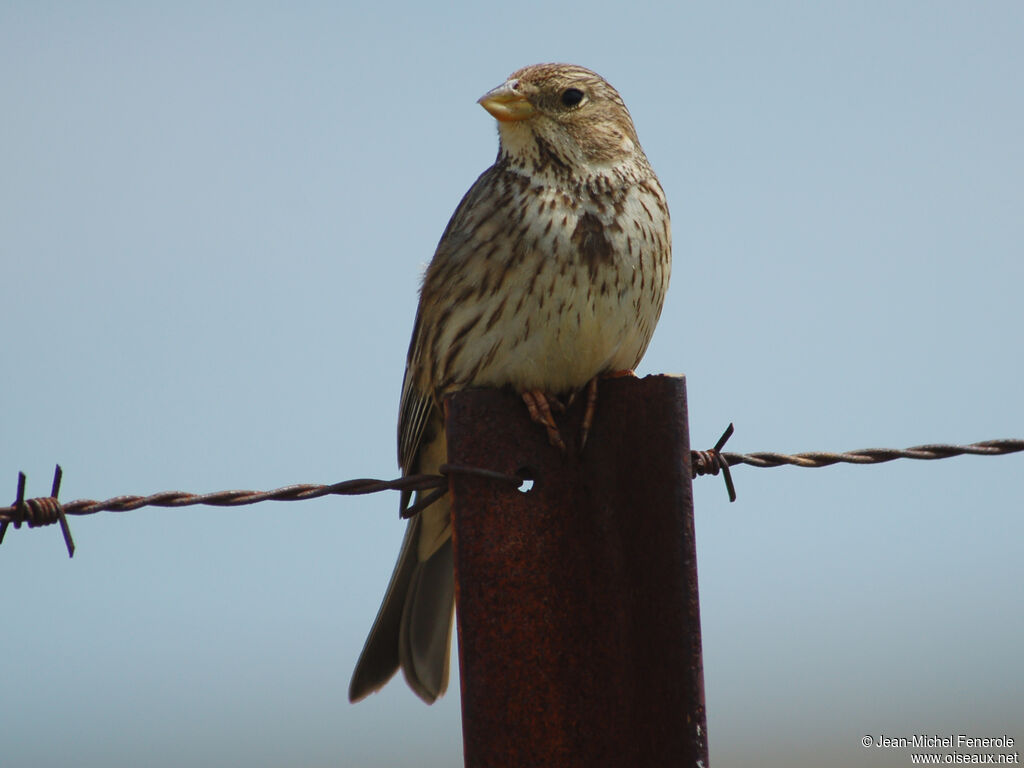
(506, 103)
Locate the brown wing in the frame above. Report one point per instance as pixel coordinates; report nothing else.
(418, 404)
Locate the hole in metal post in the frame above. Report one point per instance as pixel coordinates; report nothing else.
(529, 476)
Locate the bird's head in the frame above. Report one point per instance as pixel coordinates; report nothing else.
(562, 116)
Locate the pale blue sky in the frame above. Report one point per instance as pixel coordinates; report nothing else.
(212, 225)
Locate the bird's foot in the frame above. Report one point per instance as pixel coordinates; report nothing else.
(588, 412)
(591, 407)
(540, 405)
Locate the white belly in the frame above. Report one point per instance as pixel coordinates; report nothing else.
(557, 319)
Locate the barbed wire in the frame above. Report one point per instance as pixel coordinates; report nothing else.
(875, 455)
(47, 510)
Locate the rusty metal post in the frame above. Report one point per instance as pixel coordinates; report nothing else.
(578, 618)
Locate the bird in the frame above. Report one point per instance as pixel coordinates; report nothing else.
(551, 274)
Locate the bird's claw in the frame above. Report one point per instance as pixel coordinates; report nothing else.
(588, 412)
(539, 405)
(591, 407)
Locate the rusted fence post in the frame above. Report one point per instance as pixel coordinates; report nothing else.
(578, 618)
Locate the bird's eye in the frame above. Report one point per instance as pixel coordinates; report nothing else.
(572, 96)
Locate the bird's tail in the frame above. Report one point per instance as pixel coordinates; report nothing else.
(413, 628)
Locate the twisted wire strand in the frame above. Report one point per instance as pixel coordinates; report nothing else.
(46, 510)
(875, 455)
(237, 498)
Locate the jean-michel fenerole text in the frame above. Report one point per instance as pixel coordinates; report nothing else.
(952, 741)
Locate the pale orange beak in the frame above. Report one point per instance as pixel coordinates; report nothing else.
(506, 103)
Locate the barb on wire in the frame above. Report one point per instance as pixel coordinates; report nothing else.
(713, 461)
(47, 510)
(37, 512)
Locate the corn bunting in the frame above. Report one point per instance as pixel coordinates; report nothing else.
(550, 274)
